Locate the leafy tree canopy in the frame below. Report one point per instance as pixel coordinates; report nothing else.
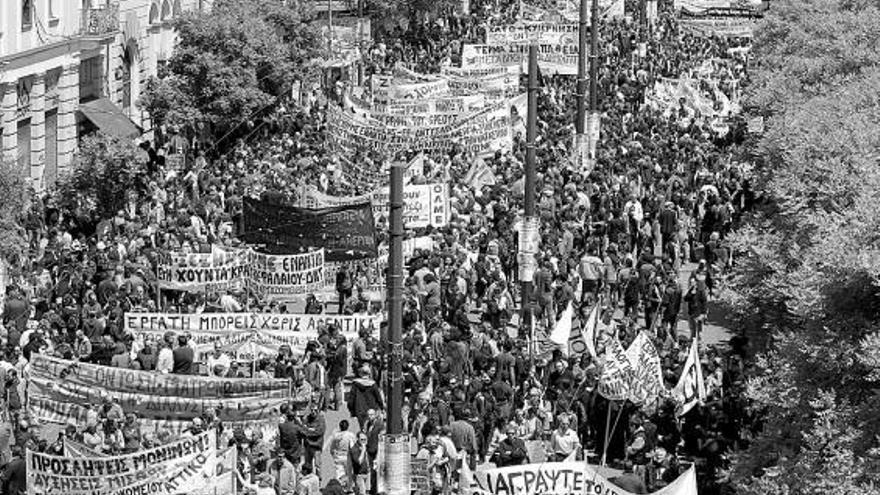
(810, 275)
(233, 62)
(15, 204)
(105, 171)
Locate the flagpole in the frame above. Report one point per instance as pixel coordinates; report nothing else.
(581, 70)
(607, 433)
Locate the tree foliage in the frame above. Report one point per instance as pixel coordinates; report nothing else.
(105, 171)
(16, 200)
(394, 13)
(811, 273)
(232, 62)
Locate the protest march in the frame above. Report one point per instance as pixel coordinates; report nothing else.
(229, 332)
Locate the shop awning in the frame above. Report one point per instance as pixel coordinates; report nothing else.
(109, 118)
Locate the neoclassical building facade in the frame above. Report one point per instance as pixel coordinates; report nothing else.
(70, 66)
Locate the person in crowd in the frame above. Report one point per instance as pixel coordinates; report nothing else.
(183, 357)
(360, 462)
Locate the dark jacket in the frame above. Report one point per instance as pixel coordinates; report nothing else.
(183, 360)
(668, 221)
(511, 452)
(290, 439)
(354, 456)
(13, 481)
(364, 395)
(313, 432)
(373, 431)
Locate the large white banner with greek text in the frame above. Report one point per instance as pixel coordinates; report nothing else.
(246, 336)
(565, 478)
(187, 465)
(60, 390)
(281, 277)
(553, 58)
(482, 132)
(424, 204)
(526, 33)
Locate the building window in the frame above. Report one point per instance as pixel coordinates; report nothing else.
(27, 14)
(175, 9)
(154, 13)
(166, 10)
(52, 14)
(90, 79)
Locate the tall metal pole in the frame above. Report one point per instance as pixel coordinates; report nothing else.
(330, 23)
(395, 301)
(360, 65)
(582, 70)
(594, 56)
(593, 130)
(530, 178)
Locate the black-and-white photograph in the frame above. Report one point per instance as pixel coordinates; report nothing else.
(439, 247)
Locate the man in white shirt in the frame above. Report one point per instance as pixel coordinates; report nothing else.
(165, 360)
(592, 272)
(634, 215)
(339, 444)
(564, 442)
(219, 362)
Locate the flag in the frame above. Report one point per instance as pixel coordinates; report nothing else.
(690, 389)
(562, 332)
(479, 175)
(647, 384)
(685, 484)
(465, 477)
(588, 331)
(616, 377)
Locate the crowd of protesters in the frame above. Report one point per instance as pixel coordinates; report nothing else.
(653, 213)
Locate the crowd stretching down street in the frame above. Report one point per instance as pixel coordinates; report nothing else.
(629, 248)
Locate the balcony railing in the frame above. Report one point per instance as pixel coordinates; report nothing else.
(99, 21)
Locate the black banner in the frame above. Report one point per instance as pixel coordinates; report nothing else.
(345, 232)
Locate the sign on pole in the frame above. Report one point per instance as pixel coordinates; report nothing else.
(529, 241)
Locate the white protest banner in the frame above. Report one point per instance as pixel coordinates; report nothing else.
(523, 33)
(442, 105)
(479, 72)
(569, 10)
(280, 277)
(482, 132)
(731, 23)
(60, 390)
(565, 478)
(616, 377)
(220, 269)
(223, 482)
(701, 6)
(247, 336)
(185, 466)
(424, 204)
(647, 380)
(397, 91)
(553, 58)
(395, 120)
(415, 168)
(690, 389)
(222, 322)
(494, 86)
